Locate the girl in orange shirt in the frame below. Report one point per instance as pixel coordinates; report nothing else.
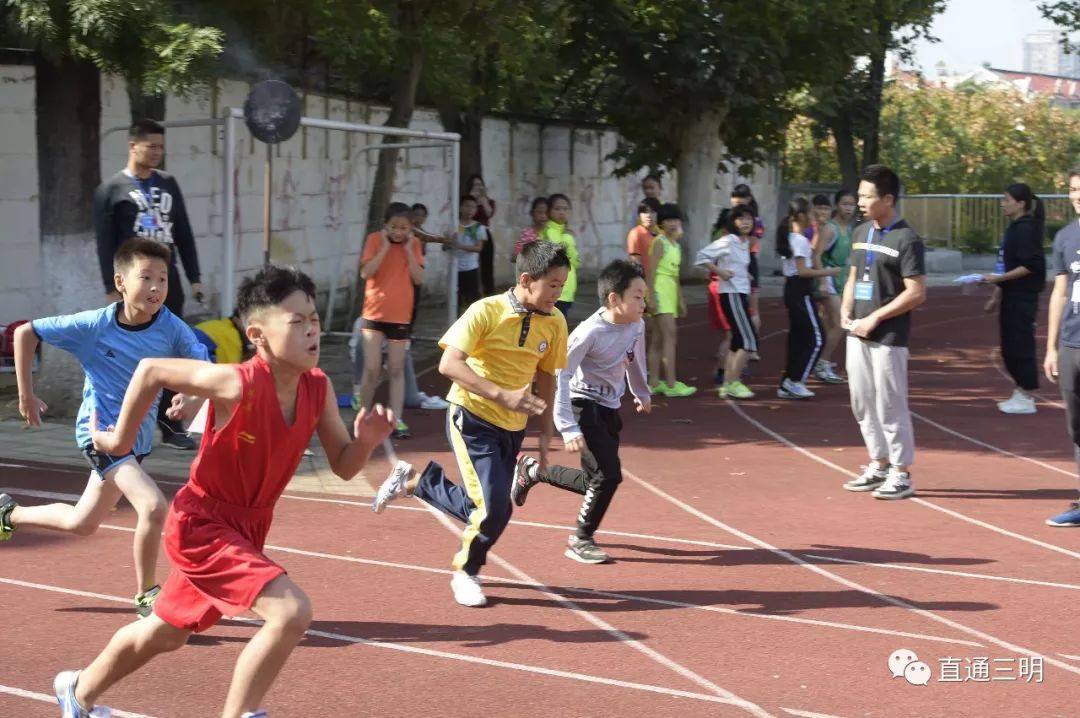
(392, 263)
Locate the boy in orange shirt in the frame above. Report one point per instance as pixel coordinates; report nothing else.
(392, 263)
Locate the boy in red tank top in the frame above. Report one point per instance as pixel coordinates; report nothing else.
(261, 417)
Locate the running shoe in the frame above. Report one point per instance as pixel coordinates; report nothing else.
(524, 479)
(467, 590)
(794, 390)
(1069, 517)
(826, 373)
(659, 388)
(680, 390)
(256, 714)
(7, 505)
(356, 403)
(401, 431)
(871, 478)
(736, 390)
(144, 602)
(433, 403)
(896, 486)
(393, 488)
(585, 550)
(64, 689)
(1018, 403)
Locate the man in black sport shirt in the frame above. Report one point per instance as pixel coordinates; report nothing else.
(142, 201)
(886, 281)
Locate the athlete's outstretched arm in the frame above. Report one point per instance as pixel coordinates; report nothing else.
(220, 383)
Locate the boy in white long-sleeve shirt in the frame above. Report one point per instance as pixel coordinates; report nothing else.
(604, 351)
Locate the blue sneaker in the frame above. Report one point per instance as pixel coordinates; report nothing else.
(64, 688)
(256, 714)
(1071, 517)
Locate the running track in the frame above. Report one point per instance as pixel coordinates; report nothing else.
(746, 582)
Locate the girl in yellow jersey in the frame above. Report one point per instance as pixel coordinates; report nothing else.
(557, 231)
(666, 300)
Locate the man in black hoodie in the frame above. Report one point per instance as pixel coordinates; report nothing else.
(142, 201)
(1018, 279)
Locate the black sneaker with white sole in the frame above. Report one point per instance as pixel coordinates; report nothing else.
(896, 486)
(524, 471)
(871, 478)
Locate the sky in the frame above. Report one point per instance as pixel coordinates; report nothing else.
(975, 31)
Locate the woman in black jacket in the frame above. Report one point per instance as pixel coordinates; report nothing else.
(1019, 277)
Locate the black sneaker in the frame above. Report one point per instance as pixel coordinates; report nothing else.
(523, 479)
(179, 441)
(871, 478)
(585, 550)
(7, 505)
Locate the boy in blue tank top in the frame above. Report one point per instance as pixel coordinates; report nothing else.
(109, 343)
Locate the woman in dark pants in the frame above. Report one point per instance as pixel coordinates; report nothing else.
(1019, 277)
(485, 208)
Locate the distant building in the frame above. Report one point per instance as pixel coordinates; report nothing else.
(1058, 90)
(1044, 55)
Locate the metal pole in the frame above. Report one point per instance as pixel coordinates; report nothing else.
(228, 204)
(455, 189)
(268, 171)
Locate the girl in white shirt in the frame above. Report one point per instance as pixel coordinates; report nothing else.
(805, 335)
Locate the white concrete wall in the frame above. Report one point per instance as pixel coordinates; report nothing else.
(321, 187)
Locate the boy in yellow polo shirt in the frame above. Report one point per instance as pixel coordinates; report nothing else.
(227, 343)
(492, 354)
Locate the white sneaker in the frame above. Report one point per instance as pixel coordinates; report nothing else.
(433, 403)
(871, 478)
(393, 488)
(896, 486)
(794, 390)
(467, 590)
(1019, 403)
(826, 372)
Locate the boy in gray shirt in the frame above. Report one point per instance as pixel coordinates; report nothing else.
(604, 351)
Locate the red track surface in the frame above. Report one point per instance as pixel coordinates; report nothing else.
(753, 584)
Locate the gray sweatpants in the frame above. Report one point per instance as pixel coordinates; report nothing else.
(878, 381)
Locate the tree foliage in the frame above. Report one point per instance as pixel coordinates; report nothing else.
(1003, 138)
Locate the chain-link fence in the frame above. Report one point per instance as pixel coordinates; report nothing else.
(973, 223)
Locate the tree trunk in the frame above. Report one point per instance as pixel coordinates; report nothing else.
(68, 123)
(143, 106)
(700, 151)
(845, 152)
(401, 113)
(872, 144)
(469, 124)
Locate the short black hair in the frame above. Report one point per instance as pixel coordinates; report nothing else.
(1074, 171)
(537, 201)
(467, 198)
(668, 210)
(271, 286)
(649, 204)
(885, 181)
(616, 277)
(141, 128)
(654, 178)
(556, 197)
(419, 208)
(395, 209)
(138, 247)
(538, 258)
(821, 200)
(742, 191)
(733, 214)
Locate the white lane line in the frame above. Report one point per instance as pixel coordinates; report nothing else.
(807, 714)
(1071, 658)
(991, 447)
(603, 625)
(839, 579)
(357, 640)
(46, 698)
(921, 502)
(986, 637)
(367, 504)
(646, 600)
(946, 572)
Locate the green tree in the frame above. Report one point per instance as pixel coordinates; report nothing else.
(849, 106)
(690, 83)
